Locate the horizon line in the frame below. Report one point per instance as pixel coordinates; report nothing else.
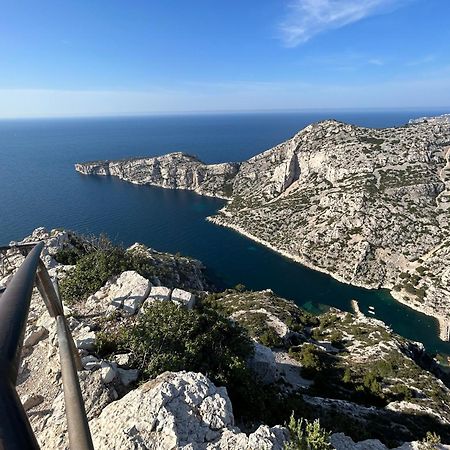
(228, 111)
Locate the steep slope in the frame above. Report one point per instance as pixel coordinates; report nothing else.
(368, 206)
(355, 374)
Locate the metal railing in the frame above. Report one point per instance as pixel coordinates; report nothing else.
(15, 429)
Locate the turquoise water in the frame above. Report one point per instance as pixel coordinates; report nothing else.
(39, 187)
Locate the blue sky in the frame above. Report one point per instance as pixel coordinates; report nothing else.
(103, 57)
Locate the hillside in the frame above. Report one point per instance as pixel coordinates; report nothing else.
(156, 347)
(368, 206)
(168, 364)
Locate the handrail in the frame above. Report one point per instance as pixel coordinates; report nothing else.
(15, 429)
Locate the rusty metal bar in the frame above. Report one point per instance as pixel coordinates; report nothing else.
(46, 289)
(50, 293)
(77, 423)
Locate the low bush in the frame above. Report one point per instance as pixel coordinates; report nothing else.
(305, 435)
(167, 337)
(91, 272)
(309, 358)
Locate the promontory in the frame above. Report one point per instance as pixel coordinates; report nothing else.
(368, 206)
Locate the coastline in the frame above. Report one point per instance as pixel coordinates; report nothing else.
(80, 169)
(444, 323)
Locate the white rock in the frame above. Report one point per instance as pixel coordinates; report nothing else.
(216, 410)
(342, 442)
(85, 340)
(181, 410)
(122, 359)
(160, 293)
(183, 298)
(90, 362)
(127, 292)
(263, 363)
(107, 372)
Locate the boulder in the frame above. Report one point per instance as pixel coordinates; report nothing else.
(342, 442)
(183, 298)
(85, 339)
(123, 359)
(34, 336)
(182, 410)
(107, 371)
(126, 292)
(263, 363)
(31, 400)
(160, 293)
(90, 362)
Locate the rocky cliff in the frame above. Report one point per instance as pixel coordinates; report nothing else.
(349, 370)
(173, 171)
(368, 206)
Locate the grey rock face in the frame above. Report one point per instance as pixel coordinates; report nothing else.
(181, 410)
(173, 171)
(368, 206)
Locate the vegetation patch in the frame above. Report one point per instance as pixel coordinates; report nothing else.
(96, 260)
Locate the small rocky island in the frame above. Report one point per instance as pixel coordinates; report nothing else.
(368, 206)
(171, 363)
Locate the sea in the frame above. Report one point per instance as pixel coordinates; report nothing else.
(39, 187)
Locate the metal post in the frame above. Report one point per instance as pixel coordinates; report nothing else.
(77, 424)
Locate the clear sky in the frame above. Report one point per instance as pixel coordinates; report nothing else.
(106, 57)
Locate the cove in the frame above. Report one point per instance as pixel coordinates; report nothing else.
(231, 258)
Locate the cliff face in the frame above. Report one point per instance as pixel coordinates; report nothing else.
(368, 206)
(172, 171)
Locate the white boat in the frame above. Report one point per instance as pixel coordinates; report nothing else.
(371, 311)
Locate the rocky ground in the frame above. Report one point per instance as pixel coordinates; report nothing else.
(351, 371)
(368, 206)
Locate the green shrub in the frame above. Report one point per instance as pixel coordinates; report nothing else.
(309, 358)
(402, 391)
(68, 255)
(372, 383)
(305, 435)
(347, 377)
(270, 338)
(91, 272)
(167, 337)
(430, 442)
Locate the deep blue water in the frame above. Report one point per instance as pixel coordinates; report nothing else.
(39, 187)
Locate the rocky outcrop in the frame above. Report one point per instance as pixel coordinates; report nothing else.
(173, 171)
(368, 206)
(125, 292)
(445, 118)
(342, 442)
(186, 410)
(182, 410)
